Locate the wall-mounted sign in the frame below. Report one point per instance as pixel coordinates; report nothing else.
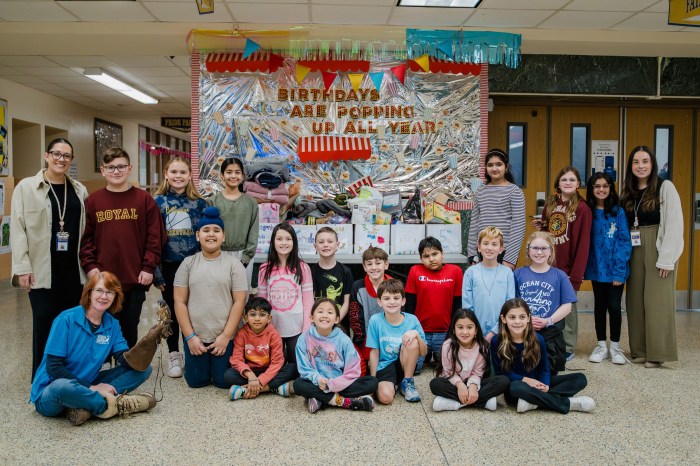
(684, 12)
(179, 123)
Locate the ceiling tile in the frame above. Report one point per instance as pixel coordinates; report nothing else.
(508, 18)
(332, 14)
(42, 70)
(168, 88)
(661, 6)
(609, 5)
(157, 71)
(111, 11)
(45, 87)
(34, 12)
(184, 81)
(276, 1)
(20, 60)
(269, 13)
(81, 61)
(648, 22)
(584, 19)
(145, 61)
(357, 2)
(179, 12)
(181, 60)
(432, 16)
(83, 87)
(527, 5)
(56, 79)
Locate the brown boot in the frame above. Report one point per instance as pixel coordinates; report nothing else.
(78, 416)
(140, 356)
(127, 404)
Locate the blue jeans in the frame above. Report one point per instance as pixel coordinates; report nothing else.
(68, 393)
(434, 342)
(201, 371)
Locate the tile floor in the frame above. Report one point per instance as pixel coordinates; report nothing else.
(644, 416)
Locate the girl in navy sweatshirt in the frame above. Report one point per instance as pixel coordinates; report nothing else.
(608, 264)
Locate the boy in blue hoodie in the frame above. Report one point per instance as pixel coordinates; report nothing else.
(329, 366)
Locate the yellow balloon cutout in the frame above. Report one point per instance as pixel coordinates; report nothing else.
(356, 80)
(424, 62)
(302, 71)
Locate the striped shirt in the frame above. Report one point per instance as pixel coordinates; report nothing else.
(501, 206)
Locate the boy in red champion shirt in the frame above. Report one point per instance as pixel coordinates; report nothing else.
(433, 291)
(124, 234)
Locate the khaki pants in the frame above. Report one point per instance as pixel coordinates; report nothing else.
(651, 303)
(571, 329)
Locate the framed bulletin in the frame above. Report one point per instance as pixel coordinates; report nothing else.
(106, 135)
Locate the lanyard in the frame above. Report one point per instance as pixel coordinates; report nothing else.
(636, 209)
(61, 213)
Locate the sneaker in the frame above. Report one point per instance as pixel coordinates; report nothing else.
(582, 403)
(524, 406)
(286, 390)
(569, 356)
(599, 353)
(653, 364)
(363, 403)
(445, 404)
(639, 360)
(175, 365)
(129, 404)
(78, 416)
(491, 405)
(313, 404)
(617, 355)
(408, 390)
(236, 392)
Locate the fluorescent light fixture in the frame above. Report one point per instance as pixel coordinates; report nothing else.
(103, 78)
(441, 3)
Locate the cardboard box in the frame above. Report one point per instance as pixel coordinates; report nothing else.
(367, 235)
(405, 238)
(450, 237)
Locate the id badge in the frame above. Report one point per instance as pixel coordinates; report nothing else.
(636, 236)
(61, 241)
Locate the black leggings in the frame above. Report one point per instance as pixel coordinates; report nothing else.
(287, 373)
(608, 300)
(130, 315)
(169, 269)
(490, 387)
(366, 385)
(561, 387)
(289, 344)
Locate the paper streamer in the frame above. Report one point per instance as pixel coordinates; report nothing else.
(356, 80)
(302, 71)
(377, 78)
(250, 48)
(424, 62)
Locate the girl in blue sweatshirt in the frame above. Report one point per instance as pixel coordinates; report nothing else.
(608, 264)
(329, 366)
(520, 353)
(181, 207)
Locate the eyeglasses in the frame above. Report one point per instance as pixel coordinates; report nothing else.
(101, 292)
(112, 168)
(61, 155)
(601, 186)
(539, 248)
(259, 314)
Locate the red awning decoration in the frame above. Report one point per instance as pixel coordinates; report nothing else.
(447, 67)
(233, 61)
(335, 66)
(329, 148)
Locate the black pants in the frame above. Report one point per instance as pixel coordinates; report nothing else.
(490, 387)
(130, 315)
(561, 387)
(169, 269)
(608, 300)
(47, 304)
(289, 345)
(366, 385)
(556, 348)
(287, 373)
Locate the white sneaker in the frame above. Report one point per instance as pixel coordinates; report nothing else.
(175, 364)
(582, 403)
(617, 355)
(599, 353)
(445, 404)
(491, 404)
(524, 406)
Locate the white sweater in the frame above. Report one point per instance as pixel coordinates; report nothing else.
(669, 241)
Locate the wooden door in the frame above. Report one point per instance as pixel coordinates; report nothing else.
(694, 221)
(533, 122)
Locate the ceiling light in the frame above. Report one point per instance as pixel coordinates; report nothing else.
(101, 77)
(441, 3)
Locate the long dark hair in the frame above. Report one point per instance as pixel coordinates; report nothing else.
(612, 202)
(495, 152)
(506, 347)
(631, 192)
(293, 261)
(453, 351)
(236, 161)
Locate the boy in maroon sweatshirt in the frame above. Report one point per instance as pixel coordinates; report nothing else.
(124, 234)
(257, 362)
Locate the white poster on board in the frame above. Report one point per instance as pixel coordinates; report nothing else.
(604, 157)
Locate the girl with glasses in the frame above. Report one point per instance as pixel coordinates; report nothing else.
(48, 213)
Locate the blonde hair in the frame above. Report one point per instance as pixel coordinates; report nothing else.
(572, 203)
(491, 233)
(164, 187)
(543, 235)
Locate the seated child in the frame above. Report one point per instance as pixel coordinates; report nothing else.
(462, 373)
(521, 354)
(257, 362)
(329, 366)
(397, 341)
(363, 299)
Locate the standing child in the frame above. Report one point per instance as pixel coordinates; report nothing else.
(123, 234)
(210, 292)
(488, 284)
(257, 362)
(285, 280)
(181, 208)
(521, 354)
(397, 341)
(548, 292)
(331, 278)
(608, 266)
(433, 292)
(363, 299)
(240, 214)
(462, 373)
(329, 366)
